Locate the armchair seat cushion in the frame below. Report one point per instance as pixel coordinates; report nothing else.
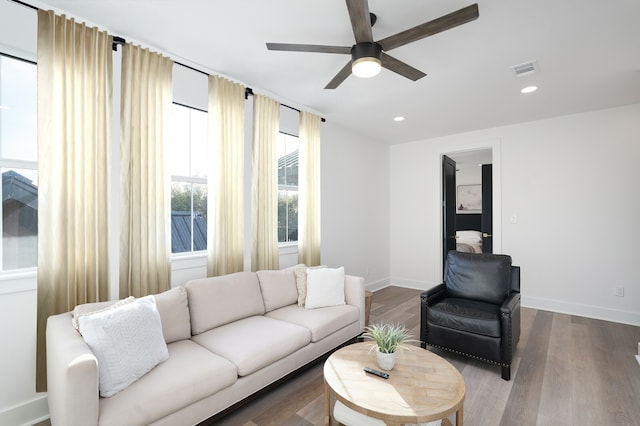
(466, 315)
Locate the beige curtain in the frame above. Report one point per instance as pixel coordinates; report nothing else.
(225, 231)
(74, 130)
(145, 251)
(264, 185)
(309, 190)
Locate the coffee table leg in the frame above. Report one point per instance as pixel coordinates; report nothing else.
(327, 412)
(459, 419)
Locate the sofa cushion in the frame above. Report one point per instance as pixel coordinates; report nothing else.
(174, 314)
(321, 322)
(171, 304)
(278, 288)
(255, 342)
(325, 287)
(466, 315)
(127, 341)
(191, 374)
(220, 300)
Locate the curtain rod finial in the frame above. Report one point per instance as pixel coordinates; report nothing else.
(117, 41)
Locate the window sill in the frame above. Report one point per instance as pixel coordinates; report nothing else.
(18, 281)
(188, 260)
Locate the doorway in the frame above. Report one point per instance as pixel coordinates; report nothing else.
(477, 177)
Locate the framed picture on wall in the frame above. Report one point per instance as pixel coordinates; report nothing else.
(469, 199)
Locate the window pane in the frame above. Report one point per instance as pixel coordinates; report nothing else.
(199, 217)
(19, 219)
(179, 144)
(287, 216)
(180, 217)
(198, 144)
(18, 135)
(287, 153)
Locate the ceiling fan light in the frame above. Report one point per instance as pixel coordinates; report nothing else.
(366, 67)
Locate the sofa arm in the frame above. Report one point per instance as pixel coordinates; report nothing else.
(72, 375)
(354, 294)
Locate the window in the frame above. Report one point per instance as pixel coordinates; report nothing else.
(287, 154)
(18, 164)
(188, 165)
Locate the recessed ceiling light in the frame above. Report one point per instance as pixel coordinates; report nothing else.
(529, 89)
(398, 118)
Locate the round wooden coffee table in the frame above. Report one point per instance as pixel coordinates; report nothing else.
(422, 387)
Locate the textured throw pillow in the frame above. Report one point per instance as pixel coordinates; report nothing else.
(325, 287)
(94, 308)
(127, 341)
(301, 280)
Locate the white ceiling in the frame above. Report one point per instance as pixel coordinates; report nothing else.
(588, 52)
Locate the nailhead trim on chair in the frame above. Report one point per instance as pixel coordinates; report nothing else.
(469, 355)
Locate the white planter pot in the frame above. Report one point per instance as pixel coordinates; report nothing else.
(385, 361)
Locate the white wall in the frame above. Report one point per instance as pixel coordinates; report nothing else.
(355, 205)
(573, 184)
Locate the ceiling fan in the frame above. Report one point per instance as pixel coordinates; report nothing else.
(367, 55)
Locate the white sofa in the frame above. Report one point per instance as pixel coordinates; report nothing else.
(227, 337)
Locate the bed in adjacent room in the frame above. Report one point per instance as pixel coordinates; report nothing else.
(469, 241)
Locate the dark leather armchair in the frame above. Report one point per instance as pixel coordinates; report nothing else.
(476, 311)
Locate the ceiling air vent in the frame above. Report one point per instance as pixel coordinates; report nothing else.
(527, 68)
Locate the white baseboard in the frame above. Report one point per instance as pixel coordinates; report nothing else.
(638, 358)
(589, 311)
(414, 284)
(27, 413)
(377, 285)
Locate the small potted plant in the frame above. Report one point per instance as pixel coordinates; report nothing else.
(388, 338)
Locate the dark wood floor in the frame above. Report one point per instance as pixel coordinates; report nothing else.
(567, 370)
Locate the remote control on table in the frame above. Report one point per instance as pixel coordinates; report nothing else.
(376, 372)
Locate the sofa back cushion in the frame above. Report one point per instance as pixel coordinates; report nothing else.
(278, 288)
(174, 314)
(220, 300)
(483, 277)
(171, 305)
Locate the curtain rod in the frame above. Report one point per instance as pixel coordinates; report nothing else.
(249, 92)
(120, 41)
(26, 4)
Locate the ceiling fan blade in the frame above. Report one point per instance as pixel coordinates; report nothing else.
(340, 77)
(288, 47)
(399, 67)
(453, 19)
(360, 20)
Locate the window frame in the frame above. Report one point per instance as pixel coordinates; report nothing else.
(191, 180)
(287, 188)
(12, 163)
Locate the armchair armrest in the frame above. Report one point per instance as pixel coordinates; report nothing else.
(72, 375)
(511, 303)
(354, 294)
(427, 298)
(433, 294)
(510, 326)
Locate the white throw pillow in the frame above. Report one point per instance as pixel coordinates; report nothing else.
(127, 341)
(94, 308)
(325, 287)
(301, 280)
